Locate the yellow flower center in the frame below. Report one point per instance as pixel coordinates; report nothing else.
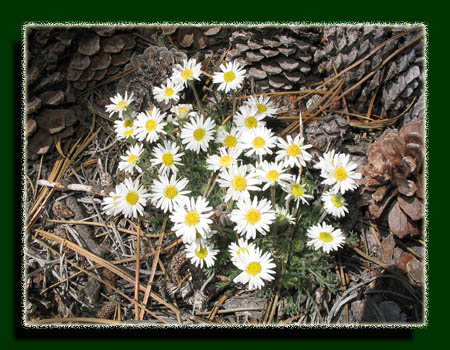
(202, 253)
(253, 216)
(253, 268)
(325, 236)
(199, 134)
(239, 183)
(191, 218)
(251, 122)
(151, 124)
(132, 197)
(340, 173)
(128, 132)
(336, 201)
(272, 175)
(258, 142)
(168, 91)
(297, 190)
(127, 123)
(122, 104)
(230, 141)
(229, 76)
(261, 108)
(167, 159)
(170, 191)
(187, 74)
(226, 160)
(241, 250)
(293, 150)
(182, 111)
(132, 158)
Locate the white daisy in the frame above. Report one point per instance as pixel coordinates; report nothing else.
(166, 155)
(283, 215)
(292, 151)
(225, 159)
(296, 191)
(129, 162)
(326, 237)
(119, 104)
(111, 204)
(231, 76)
(188, 71)
(247, 118)
(335, 204)
(272, 173)
(255, 268)
(166, 193)
(229, 139)
(242, 246)
(190, 218)
(258, 141)
(133, 199)
(167, 93)
(197, 133)
(238, 181)
(253, 216)
(342, 174)
(181, 112)
(149, 125)
(265, 107)
(326, 163)
(124, 128)
(205, 254)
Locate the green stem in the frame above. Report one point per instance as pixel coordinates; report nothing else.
(272, 193)
(196, 97)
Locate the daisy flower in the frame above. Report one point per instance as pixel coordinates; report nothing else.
(166, 193)
(124, 128)
(190, 218)
(119, 104)
(225, 159)
(197, 133)
(149, 125)
(205, 254)
(259, 141)
(238, 181)
(283, 215)
(247, 118)
(231, 76)
(181, 112)
(326, 163)
(255, 268)
(272, 173)
(186, 72)
(335, 204)
(253, 216)
(264, 105)
(166, 155)
(134, 197)
(129, 162)
(229, 139)
(342, 174)
(326, 237)
(111, 204)
(292, 151)
(296, 191)
(167, 93)
(241, 247)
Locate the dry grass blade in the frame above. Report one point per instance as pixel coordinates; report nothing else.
(106, 264)
(138, 265)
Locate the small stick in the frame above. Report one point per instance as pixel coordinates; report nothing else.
(138, 266)
(72, 187)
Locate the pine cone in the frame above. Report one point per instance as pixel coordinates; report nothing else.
(394, 178)
(192, 39)
(326, 133)
(153, 67)
(399, 82)
(277, 58)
